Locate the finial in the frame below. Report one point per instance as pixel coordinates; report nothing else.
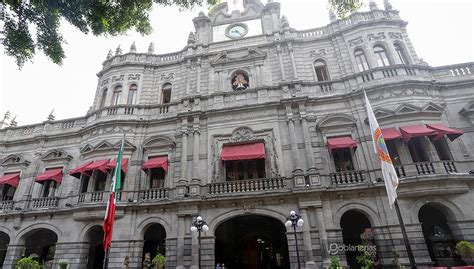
(201, 14)
(110, 54)
(372, 5)
(133, 48)
(151, 48)
(118, 51)
(51, 117)
(332, 16)
(387, 5)
(13, 123)
(284, 23)
(191, 38)
(7, 115)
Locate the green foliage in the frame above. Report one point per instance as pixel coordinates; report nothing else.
(27, 263)
(365, 259)
(335, 263)
(41, 18)
(395, 261)
(343, 8)
(63, 265)
(465, 249)
(159, 259)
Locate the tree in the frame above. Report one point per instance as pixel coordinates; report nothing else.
(24, 18)
(344, 7)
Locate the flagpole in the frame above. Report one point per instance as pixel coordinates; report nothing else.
(411, 258)
(106, 259)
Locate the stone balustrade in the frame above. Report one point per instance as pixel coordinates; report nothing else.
(154, 194)
(345, 178)
(6, 205)
(44, 202)
(246, 186)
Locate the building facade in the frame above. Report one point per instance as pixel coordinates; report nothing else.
(250, 120)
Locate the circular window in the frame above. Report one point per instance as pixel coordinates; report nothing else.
(236, 30)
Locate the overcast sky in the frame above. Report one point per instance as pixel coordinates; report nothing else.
(441, 31)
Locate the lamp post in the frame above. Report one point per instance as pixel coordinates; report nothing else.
(198, 226)
(292, 221)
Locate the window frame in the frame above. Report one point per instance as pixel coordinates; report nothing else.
(116, 95)
(401, 53)
(168, 91)
(321, 66)
(361, 60)
(381, 56)
(103, 98)
(132, 94)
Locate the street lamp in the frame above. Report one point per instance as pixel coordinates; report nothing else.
(198, 226)
(292, 221)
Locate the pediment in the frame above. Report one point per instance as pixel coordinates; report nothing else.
(14, 160)
(220, 13)
(336, 121)
(159, 142)
(406, 108)
(56, 155)
(431, 107)
(86, 149)
(380, 113)
(127, 145)
(468, 109)
(249, 54)
(242, 134)
(103, 145)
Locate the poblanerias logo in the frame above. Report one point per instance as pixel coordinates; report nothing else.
(336, 248)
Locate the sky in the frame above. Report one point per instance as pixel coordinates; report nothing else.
(440, 30)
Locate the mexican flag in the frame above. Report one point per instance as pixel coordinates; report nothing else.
(108, 224)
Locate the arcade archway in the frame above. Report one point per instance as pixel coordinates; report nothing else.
(4, 241)
(41, 245)
(154, 241)
(438, 236)
(356, 231)
(252, 242)
(95, 237)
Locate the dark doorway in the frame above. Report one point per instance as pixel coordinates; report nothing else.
(155, 241)
(252, 242)
(356, 231)
(4, 240)
(438, 236)
(95, 236)
(41, 245)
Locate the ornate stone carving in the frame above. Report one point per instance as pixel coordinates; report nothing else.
(191, 38)
(242, 134)
(317, 53)
(356, 41)
(377, 36)
(134, 76)
(238, 55)
(400, 93)
(56, 155)
(118, 78)
(105, 82)
(164, 76)
(14, 160)
(394, 35)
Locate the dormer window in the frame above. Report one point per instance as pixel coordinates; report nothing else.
(166, 93)
(116, 96)
(240, 81)
(321, 70)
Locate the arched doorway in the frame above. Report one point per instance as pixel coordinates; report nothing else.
(40, 244)
(252, 242)
(356, 230)
(4, 240)
(438, 236)
(95, 237)
(154, 241)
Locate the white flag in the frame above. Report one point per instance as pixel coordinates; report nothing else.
(388, 171)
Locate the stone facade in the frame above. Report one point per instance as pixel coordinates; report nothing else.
(187, 108)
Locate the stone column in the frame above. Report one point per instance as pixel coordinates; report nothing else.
(14, 252)
(293, 141)
(323, 237)
(184, 148)
(194, 250)
(307, 139)
(180, 245)
(75, 253)
(293, 63)
(308, 248)
(198, 79)
(196, 137)
(280, 59)
(188, 78)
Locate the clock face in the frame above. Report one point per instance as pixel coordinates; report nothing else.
(236, 31)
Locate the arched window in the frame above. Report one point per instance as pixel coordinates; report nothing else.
(400, 53)
(116, 96)
(321, 70)
(361, 60)
(240, 81)
(166, 93)
(102, 99)
(132, 94)
(381, 56)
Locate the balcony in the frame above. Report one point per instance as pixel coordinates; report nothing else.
(431, 168)
(346, 178)
(154, 194)
(44, 202)
(6, 205)
(246, 186)
(96, 197)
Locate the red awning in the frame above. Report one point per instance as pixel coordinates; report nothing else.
(112, 163)
(54, 174)
(391, 133)
(76, 172)
(100, 165)
(243, 152)
(345, 142)
(156, 162)
(409, 132)
(10, 179)
(443, 130)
